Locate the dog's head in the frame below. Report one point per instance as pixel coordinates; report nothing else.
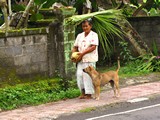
(88, 69)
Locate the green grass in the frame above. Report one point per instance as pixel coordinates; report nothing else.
(88, 109)
(34, 93)
(131, 72)
(128, 70)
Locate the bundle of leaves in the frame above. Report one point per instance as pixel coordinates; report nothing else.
(149, 63)
(141, 65)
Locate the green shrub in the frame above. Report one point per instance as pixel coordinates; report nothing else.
(125, 52)
(141, 65)
(34, 93)
(149, 63)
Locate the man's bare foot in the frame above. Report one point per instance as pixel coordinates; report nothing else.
(88, 96)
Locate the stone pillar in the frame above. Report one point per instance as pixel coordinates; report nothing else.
(61, 42)
(69, 38)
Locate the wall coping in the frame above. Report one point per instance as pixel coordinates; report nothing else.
(144, 18)
(24, 32)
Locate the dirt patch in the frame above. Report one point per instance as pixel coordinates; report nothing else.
(152, 77)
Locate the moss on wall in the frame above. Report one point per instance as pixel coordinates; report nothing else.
(23, 32)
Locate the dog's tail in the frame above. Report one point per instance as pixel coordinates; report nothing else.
(118, 65)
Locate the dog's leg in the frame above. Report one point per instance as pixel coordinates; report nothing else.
(97, 90)
(95, 93)
(117, 87)
(113, 87)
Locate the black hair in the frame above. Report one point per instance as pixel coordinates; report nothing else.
(89, 20)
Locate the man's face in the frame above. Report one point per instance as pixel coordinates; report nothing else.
(86, 27)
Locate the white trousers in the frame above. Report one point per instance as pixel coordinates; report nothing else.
(84, 81)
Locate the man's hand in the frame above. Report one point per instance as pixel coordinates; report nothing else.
(80, 55)
(79, 58)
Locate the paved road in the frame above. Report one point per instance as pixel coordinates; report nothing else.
(53, 110)
(144, 113)
(143, 108)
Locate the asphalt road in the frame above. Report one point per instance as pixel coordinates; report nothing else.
(147, 108)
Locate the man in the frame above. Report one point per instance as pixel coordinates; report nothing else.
(87, 45)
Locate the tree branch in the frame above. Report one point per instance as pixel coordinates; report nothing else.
(149, 2)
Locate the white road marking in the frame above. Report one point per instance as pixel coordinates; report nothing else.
(137, 100)
(119, 113)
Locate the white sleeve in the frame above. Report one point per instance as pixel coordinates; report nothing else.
(94, 40)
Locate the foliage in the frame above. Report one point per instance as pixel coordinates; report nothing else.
(141, 65)
(149, 63)
(36, 17)
(125, 52)
(34, 94)
(17, 8)
(155, 48)
(134, 68)
(134, 2)
(40, 4)
(154, 12)
(126, 70)
(130, 69)
(151, 8)
(128, 10)
(155, 4)
(106, 34)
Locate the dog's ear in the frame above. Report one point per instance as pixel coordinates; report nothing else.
(90, 68)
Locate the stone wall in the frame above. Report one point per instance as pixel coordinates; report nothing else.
(148, 28)
(41, 51)
(25, 51)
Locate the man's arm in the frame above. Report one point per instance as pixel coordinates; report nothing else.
(88, 50)
(75, 49)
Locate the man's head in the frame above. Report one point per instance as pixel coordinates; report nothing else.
(87, 25)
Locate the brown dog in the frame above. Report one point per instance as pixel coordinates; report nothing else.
(100, 79)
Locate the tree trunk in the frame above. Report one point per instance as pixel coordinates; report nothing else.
(3, 6)
(9, 7)
(148, 2)
(4, 10)
(136, 40)
(87, 7)
(25, 14)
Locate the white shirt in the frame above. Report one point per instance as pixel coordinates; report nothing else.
(83, 43)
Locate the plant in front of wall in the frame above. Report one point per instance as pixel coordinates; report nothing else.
(156, 64)
(155, 48)
(150, 62)
(34, 93)
(125, 52)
